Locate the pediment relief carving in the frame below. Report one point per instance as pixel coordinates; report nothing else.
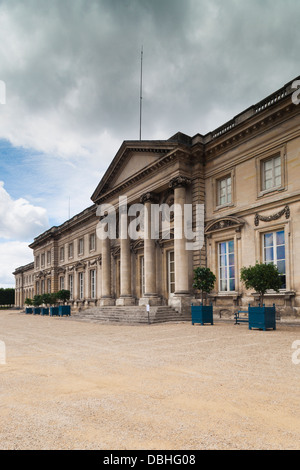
(223, 224)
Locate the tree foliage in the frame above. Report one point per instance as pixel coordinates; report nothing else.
(37, 300)
(261, 277)
(63, 295)
(7, 296)
(204, 280)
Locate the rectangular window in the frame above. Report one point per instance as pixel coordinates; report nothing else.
(171, 272)
(71, 286)
(81, 286)
(92, 242)
(226, 266)
(48, 257)
(274, 252)
(80, 246)
(93, 283)
(62, 253)
(70, 250)
(42, 286)
(49, 286)
(61, 282)
(224, 191)
(271, 173)
(37, 261)
(43, 259)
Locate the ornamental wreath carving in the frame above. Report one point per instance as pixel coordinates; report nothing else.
(269, 218)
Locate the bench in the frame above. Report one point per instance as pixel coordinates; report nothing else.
(239, 319)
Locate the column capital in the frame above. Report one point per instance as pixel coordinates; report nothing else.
(149, 197)
(179, 181)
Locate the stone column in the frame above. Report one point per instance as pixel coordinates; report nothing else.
(106, 298)
(150, 296)
(125, 262)
(182, 296)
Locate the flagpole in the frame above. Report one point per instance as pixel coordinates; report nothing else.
(141, 93)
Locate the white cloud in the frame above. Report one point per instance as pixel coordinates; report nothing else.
(12, 255)
(20, 220)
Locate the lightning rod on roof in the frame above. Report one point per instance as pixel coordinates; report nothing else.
(141, 93)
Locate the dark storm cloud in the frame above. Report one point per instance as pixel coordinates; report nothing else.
(204, 61)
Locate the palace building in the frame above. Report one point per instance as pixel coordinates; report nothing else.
(246, 175)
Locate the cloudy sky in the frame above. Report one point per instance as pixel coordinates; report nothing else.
(72, 74)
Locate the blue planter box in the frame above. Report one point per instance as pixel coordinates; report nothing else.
(36, 311)
(64, 310)
(44, 311)
(28, 310)
(202, 314)
(262, 317)
(53, 311)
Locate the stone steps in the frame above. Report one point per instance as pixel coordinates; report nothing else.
(130, 314)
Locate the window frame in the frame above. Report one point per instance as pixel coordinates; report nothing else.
(219, 182)
(274, 247)
(274, 186)
(81, 246)
(142, 275)
(215, 187)
(81, 285)
(260, 162)
(171, 283)
(62, 254)
(92, 245)
(71, 285)
(227, 266)
(61, 282)
(93, 285)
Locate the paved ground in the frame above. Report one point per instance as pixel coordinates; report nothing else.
(73, 385)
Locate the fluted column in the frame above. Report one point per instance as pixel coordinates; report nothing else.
(150, 295)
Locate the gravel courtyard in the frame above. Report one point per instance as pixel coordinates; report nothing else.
(69, 384)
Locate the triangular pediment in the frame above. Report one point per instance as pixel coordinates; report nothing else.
(131, 160)
(132, 163)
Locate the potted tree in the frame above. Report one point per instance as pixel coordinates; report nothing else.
(53, 303)
(204, 280)
(261, 277)
(37, 301)
(64, 296)
(46, 301)
(28, 302)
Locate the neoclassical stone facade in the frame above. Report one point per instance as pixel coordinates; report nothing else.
(244, 174)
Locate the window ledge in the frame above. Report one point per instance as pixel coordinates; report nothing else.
(224, 206)
(269, 192)
(282, 293)
(233, 294)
